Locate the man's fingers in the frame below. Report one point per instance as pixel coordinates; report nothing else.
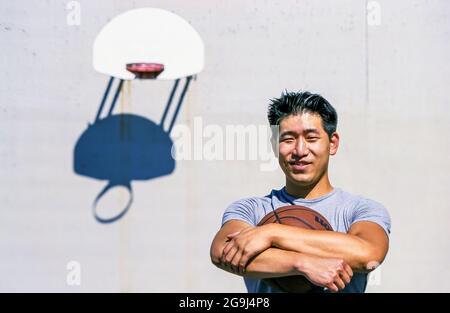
(227, 248)
(227, 257)
(332, 287)
(345, 277)
(339, 283)
(243, 262)
(235, 261)
(349, 270)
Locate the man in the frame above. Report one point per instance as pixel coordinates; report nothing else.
(335, 261)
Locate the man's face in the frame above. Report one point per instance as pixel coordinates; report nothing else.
(304, 148)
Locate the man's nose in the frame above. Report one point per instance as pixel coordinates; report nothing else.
(301, 147)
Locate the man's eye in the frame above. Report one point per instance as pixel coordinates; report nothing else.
(312, 138)
(287, 139)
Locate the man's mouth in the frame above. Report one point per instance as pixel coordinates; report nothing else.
(299, 166)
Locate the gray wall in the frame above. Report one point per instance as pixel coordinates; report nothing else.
(388, 82)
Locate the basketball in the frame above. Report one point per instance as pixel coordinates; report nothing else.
(300, 216)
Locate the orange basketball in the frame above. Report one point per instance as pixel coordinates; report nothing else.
(300, 216)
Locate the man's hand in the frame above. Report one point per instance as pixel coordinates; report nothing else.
(244, 245)
(331, 273)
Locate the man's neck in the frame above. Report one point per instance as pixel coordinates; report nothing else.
(309, 192)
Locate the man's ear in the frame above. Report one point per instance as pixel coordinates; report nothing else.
(274, 139)
(334, 143)
(275, 146)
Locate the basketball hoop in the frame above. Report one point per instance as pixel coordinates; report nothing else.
(145, 70)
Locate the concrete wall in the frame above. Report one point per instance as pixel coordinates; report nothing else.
(386, 75)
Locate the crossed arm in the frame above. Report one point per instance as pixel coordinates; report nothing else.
(272, 262)
(275, 250)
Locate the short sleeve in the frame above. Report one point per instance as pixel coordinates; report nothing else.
(243, 210)
(372, 211)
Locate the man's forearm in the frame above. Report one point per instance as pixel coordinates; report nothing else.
(324, 244)
(272, 262)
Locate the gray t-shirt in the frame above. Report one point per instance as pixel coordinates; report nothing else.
(340, 208)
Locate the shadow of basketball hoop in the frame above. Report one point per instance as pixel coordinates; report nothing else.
(143, 43)
(121, 148)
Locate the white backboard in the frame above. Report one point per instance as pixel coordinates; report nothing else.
(148, 35)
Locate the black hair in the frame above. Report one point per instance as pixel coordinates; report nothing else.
(293, 103)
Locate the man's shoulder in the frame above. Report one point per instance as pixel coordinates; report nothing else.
(363, 208)
(256, 201)
(249, 209)
(358, 200)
